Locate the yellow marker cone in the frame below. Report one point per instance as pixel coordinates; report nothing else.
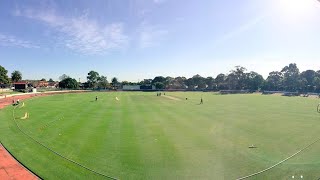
(26, 115)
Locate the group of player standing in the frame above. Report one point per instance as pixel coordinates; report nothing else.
(159, 94)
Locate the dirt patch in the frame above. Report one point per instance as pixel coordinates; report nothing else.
(172, 98)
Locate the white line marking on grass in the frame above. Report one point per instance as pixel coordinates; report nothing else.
(259, 172)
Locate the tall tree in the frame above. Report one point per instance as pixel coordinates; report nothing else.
(4, 79)
(190, 83)
(220, 81)
(274, 81)
(103, 82)
(125, 83)
(237, 78)
(316, 83)
(159, 79)
(307, 80)
(16, 76)
(254, 81)
(115, 82)
(146, 82)
(291, 77)
(159, 85)
(168, 82)
(199, 82)
(178, 83)
(50, 80)
(92, 78)
(232, 82)
(69, 83)
(210, 82)
(43, 79)
(63, 76)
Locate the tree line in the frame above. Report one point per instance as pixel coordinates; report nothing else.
(94, 81)
(288, 78)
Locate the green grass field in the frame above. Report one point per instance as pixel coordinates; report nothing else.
(143, 136)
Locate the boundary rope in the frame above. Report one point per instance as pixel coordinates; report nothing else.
(110, 177)
(259, 172)
(58, 154)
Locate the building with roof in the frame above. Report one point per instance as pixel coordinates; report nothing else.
(20, 85)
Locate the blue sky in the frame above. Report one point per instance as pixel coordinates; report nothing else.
(137, 39)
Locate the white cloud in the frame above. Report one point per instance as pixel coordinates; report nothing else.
(81, 34)
(8, 40)
(151, 35)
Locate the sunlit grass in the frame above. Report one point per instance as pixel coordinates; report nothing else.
(143, 136)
